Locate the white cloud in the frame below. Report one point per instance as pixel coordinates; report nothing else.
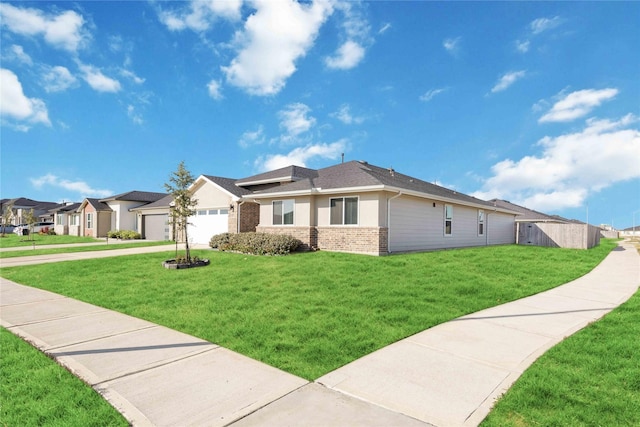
(569, 167)
(577, 104)
(63, 31)
(273, 39)
(301, 155)
(17, 106)
(384, 28)
(17, 53)
(199, 15)
(507, 80)
(347, 56)
(522, 46)
(131, 76)
(540, 25)
(80, 187)
(344, 115)
(295, 120)
(214, 90)
(97, 80)
(57, 79)
(250, 138)
(452, 45)
(134, 115)
(431, 93)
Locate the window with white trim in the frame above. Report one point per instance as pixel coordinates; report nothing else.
(448, 220)
(283, 212)
(60, 219)
(73, 220)
(344, 211)
(89, 220)
(480, 222)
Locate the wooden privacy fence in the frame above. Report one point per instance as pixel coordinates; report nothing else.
(575, 236)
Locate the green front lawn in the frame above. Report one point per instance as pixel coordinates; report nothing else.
(311, 313)
(35, 391)
(105, 247)
(11, 240)
(590, 379)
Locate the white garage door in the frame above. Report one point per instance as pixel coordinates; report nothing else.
(156, 227)
(207, 223)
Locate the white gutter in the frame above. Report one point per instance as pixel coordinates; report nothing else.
(389, 219)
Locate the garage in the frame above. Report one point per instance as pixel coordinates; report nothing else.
(206, 223)
(156, 227)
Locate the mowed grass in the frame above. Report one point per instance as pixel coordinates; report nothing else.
(311, 313)
(11, 240)
(592, 378)
(35, 391)
(105, 247)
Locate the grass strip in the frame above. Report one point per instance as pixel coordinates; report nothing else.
(592, 378)
(311, 313)
(105, 247)
(11, 240)
(36, 391)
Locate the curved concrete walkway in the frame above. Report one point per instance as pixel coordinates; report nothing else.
(448, 375)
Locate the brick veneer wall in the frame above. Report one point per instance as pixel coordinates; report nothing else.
(249, 217)
(365, 240)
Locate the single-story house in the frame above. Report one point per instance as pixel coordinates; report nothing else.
(362, 208)
(152, 219)
(21, 205)
(66, 219)
(99, 216)
(539, 229)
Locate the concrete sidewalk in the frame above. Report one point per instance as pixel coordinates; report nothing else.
(448, 375)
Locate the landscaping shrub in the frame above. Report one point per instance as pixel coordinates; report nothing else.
(124, 234)
(255, 243)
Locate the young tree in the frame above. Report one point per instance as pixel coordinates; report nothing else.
(183, 204)
(30, 219)
(7, 214)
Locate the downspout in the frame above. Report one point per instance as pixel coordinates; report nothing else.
(389, 219)
(238, 216)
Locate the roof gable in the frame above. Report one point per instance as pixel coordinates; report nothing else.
(282, 175)
(136, 196)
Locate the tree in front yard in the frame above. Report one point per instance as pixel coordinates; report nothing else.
(183, 205)
(7, 214)
(30, 219)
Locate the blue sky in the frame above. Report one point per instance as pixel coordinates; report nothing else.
(537, 103)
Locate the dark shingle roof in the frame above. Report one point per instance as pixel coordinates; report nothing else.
(165, 202)
(286, 174)
(65, 207)
(97, 204)
(136, 196)
(229, 184)
(528, 215)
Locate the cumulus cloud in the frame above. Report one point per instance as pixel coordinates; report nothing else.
(347, 56)
(254, 137)
(63, 31)
(577, 104)
(97, 80)
(214, 89)
(452, 45)
(15, 105)
(301, 155)
(17, 53)
(132, 76)
(295, 120)
(272, 40)
(57, 79)
(523, 46)
(507, 80)
(345, 116)
(431, 93)
(79, 187)
(199, 15)
(569, 167)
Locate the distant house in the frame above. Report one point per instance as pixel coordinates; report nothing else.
(538, 229)
(152, 219)
(66, 220)
(21, 205)
(99, 216)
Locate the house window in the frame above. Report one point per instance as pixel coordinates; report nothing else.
(448, 219)
(283, 212)
(73, 220)
(344, 211)
(213, 211)
(60, 219)
(202, 213)
(480, 222)
(89, 220)
(224, 211)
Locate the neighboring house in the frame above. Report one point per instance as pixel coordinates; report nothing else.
(538, 229)
(21, 205)
(153, 219)
(99, 216)
(95, 218)
(362, 208)
(66, 220)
